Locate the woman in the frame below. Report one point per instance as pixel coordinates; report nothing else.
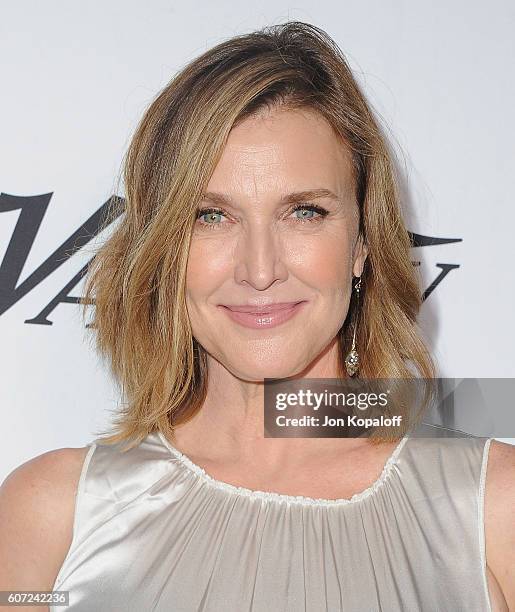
(259, 192)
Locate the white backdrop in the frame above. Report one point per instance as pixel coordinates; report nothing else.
(75, 79)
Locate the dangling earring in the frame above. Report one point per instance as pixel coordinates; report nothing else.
(352, 359)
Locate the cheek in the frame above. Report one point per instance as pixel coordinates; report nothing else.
(325, 261)
(207, 266)
(322, 261)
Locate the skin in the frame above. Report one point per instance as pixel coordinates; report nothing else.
(260, 248)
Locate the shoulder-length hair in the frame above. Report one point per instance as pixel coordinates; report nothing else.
(137, 277)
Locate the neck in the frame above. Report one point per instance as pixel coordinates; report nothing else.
(230, 424)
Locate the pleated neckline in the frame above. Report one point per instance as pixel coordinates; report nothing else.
(274, 497)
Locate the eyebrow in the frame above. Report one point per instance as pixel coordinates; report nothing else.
(291, 198)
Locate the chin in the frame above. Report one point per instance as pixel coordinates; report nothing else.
(257, 372)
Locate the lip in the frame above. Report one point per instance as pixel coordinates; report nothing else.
(263, 317)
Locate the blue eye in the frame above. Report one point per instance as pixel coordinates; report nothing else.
(304, 210)
(214, 215)
(321, 212)
(213, 220)
(209, 212)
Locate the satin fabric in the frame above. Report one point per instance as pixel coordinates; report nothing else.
(153, 531)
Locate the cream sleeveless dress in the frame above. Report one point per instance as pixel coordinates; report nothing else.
(153, 531)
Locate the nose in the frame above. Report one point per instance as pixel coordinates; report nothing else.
(259, 258)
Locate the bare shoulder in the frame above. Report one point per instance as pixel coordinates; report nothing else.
(500, 517)
(37, 505)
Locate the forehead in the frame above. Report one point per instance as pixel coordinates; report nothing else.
(283, 148)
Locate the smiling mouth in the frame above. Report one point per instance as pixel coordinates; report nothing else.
(263, 317)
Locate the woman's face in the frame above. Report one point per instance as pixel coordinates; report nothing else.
(255, 250)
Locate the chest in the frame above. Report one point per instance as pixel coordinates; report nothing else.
(318, 478)
(209, 550)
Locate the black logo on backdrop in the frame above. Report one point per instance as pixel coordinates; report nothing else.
(32, 210)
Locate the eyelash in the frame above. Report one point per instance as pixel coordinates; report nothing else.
(318, 209)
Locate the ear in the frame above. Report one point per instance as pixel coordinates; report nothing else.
(360, 255)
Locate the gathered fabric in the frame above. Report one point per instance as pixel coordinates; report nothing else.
(153, 531)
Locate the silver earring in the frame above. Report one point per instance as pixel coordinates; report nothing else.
(352, 360)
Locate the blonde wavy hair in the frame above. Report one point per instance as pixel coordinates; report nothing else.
(137, 277)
